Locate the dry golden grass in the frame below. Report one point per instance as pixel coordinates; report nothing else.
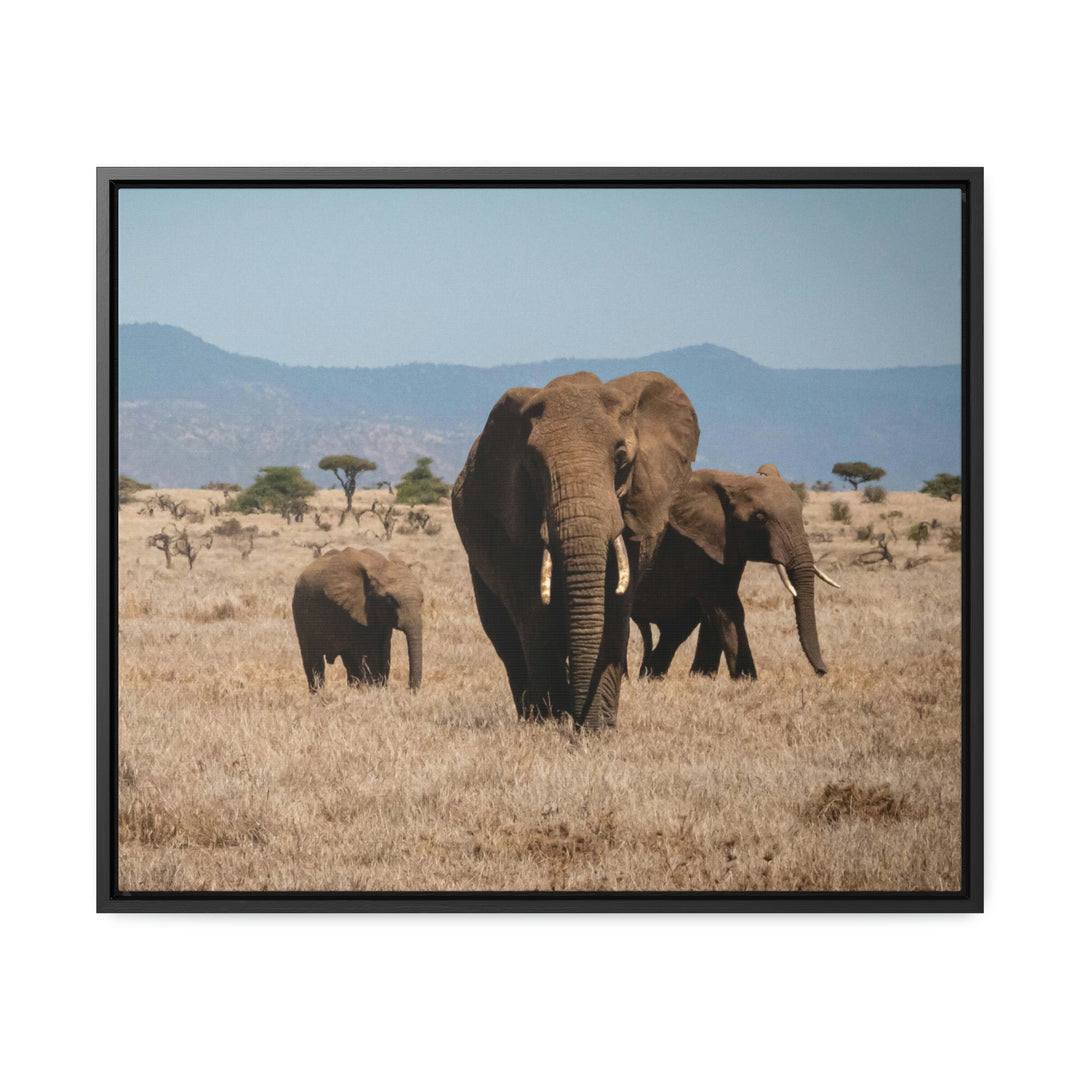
(232, 776)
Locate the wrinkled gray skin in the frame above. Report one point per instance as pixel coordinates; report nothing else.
(346, 603)
(719, 522)
(570, 467)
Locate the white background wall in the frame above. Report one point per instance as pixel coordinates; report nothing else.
(583, 83)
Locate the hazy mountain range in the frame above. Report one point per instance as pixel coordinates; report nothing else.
(191, 412)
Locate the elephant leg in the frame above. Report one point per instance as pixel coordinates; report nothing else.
(314, 667)
(710, 647)
(500, 629)
(547, 690)
(673, 632)
(357, 669)
(645, 627)
(728, 618)
(380, 657)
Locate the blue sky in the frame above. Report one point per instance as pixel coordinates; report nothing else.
(838, 278)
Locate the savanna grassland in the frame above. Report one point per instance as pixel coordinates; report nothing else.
(233, 777)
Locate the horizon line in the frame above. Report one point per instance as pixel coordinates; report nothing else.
(527, 363)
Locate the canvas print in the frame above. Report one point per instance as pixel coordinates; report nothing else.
(539, 539)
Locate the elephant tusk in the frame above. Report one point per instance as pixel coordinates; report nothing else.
(825, 577)
(784, 578)
(545, 578)
(624, 566)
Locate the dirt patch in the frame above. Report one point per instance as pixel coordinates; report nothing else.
(836, 801)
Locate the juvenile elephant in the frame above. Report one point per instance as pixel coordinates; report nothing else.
(346, 603)
(718, 523)
(562, 501)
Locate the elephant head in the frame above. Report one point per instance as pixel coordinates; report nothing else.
(565, 495)
(736, 519)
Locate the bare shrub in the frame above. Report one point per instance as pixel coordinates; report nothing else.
(190, 546)
(839, 511)
(316, 546)
(385, 514)
(163, 542)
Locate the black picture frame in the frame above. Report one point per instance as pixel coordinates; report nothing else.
(969, 898)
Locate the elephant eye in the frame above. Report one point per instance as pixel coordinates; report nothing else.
(760, 516)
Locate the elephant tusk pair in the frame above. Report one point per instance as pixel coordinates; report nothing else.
(825, 577)
(620, 558)
(791, 588)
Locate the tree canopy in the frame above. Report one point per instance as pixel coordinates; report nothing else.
(943, 486)
(857, 472)
(346, 468)
(274, 486)
(420, 485)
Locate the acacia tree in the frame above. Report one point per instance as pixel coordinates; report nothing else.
(857, 472)
(346, 468)
(275, 486)
(943, 486)
(421, 485)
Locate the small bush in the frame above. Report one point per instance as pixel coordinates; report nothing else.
(219, 485)
(821, 485)
(126, 488)
(432, 528)
(839, 511)
(800, 490)
(864, 532)
(229, 527)
(953, 540)
(874, 494)
(919, 534)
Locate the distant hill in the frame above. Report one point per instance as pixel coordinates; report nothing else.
(191, 412)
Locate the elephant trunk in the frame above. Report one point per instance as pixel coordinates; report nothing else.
(801, 572)
(414, 638)
(581, 531)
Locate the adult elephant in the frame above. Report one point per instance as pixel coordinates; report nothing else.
(719, 522)
(346, 603)
(562, 501)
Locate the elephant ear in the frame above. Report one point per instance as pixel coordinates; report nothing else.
(346, 582)
(667, 437)
(699, 512)
(495, 473)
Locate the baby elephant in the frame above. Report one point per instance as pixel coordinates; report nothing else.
(346, 603)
